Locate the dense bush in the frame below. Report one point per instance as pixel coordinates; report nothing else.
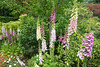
(28, 34)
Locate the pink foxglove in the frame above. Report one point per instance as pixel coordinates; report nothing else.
(88, 43)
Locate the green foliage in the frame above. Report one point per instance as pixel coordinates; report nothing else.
(7, 19)
(33, 61)
(28, 34)
(91, 24)
(13, 50)
(95, 53)
(52, 61)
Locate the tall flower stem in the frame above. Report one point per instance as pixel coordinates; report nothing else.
(59, 47)
(85, 62)
(78, 63)
(39, 46)
(52, 51)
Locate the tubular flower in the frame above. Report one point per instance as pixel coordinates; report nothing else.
(60, 38)
(38, 30)
(10, 31)
(88, 43)
(73, 24)
(44, 47)
(1, 37)
(14, 34)
(20, 62)
(40, 58)
(3, 31)
(18, 31)
(65, 41)
(42, 29)
(36, 65)
(52, 19)
(53, 31)
(9, 37)
(53, 36)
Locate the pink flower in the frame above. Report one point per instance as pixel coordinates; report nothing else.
(42, 29)
(53, 31)
(40, 58)
(52, 17)
(73, 24)
(53, 36)
(60, 38)
(44, 47)
(88, 42)
(85, 29)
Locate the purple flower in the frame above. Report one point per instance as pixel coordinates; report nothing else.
(11, 44)
(9, 37)
(82, 57)
(1, 37)
(85, 54)
(82, 49)
(87, 42)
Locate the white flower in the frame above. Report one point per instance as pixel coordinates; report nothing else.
(18, 30)
(3, 31)
(10, 31)
(36, 65)
(4, 60)
(38, 30)
(40, 58)
(14, 64)
(44, 47)
(11, 56)
(67, 63)
(7, 61)
(10, 65)
(20, 62)
(53, 36)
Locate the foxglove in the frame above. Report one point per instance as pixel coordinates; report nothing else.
(40, 58)
(65, 41)
(60, 38)
(38, 30)
(53, 31)
(73, 24)
(44, 47)
(88, 43)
